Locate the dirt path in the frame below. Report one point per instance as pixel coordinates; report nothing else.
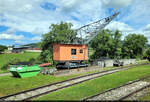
(5, 74)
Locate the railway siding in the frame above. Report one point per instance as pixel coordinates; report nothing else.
(138, 95)
(53, 87)
(118, 93)
(91, 87)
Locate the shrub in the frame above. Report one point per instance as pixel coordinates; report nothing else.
(32, 60)
(5, 67)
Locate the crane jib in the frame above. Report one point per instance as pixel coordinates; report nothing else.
(88, 32)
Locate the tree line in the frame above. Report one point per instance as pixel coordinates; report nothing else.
(2, 48)
(109, 44)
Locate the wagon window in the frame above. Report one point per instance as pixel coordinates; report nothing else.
(73, 51)
(81, 51)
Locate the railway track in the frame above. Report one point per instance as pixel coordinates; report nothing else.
(137, 93)
(39, 91)
(122, 92)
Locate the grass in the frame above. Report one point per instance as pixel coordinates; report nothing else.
(5, 58)
(98, 85)
(11, 85)
(145, 98)
(142, 61)
(3, 71)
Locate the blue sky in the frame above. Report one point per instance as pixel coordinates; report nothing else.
(24, 21)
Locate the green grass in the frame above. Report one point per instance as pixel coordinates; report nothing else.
(17, 84)
(145, 98)
(3, 71)
(142, 61)
(98, 85)
(11, 84)
(5, 58)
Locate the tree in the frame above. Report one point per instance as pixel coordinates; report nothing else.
(134, 45)
(59, 33)
(101, 44)
(107, 44)
(2, 48)
(148, 54)
(116, 44)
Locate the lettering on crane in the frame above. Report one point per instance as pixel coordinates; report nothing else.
(73, 57)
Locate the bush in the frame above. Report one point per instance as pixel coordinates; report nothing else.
(2, 48)
(46, 57)
(38, 60)
(32, 60)
(5, 67)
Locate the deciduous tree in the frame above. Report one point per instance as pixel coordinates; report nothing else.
(2, 48)
(102, 44)
(134, 45)
(59, 33)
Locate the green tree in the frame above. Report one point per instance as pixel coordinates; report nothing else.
(116, 44)
(107, 44)
(59, 33)
(148, 52)
(134, 45)
(2, 48)
(101, 44)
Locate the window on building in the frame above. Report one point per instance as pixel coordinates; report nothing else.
(73, 51)
(81, 51)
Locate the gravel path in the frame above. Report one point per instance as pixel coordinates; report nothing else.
(5, 74)
(137, 95)
(66, 72)
(118, 93)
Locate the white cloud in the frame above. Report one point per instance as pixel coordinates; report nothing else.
(146, 30)
(147, 27)
(119, 26)
(69, 5)
(138, 14)
(11, 37)
(28, 16)
(36, 38)
(117, 3)
(13, 6)
(10, 31)
(19, 42)
(126, 29)
(24, 15)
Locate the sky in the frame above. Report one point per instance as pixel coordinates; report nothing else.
(25, 21)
